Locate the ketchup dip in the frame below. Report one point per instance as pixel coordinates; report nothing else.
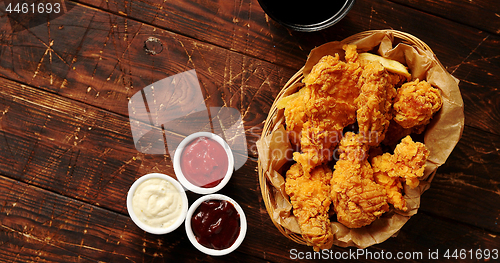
(216, 224)
(204, 162)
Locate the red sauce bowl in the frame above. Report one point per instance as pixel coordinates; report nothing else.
(221, 224)
(203, 163)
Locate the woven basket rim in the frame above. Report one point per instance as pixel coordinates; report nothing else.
(287, 89)
(395, 33)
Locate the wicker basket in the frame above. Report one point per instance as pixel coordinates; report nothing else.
(289, 88)
(292, 86)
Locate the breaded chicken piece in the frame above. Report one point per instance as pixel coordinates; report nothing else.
(333, 86)
(415, 104)
(336, 77)
(310, 197)
(315, 140)
(407, 164)
(295, 115)
(317, 145)
(392, 185)
(357, 199)
(396, 80)
(374, 103)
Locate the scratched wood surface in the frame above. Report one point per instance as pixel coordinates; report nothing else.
(68, 156)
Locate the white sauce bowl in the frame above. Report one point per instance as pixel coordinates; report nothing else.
(142, 225)
(210, 251)
(177, 163)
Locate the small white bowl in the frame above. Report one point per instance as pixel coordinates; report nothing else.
(145, 227)
(177, 163)
(210, 251)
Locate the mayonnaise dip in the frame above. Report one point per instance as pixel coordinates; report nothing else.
(157, 203)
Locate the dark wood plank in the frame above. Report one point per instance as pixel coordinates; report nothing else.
(99, 58)
(479, 75)
(481, 14)
(244, 27)
(431, 233)
(467, 187)
(421, 235)
(239, 25)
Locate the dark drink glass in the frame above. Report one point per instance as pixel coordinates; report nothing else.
(306, 15)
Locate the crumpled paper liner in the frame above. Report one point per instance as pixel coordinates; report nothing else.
(441, 136)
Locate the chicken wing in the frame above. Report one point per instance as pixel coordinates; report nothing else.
(407, 164)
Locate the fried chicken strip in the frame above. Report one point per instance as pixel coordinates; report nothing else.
(374, 102)
(415, 104)
(310, 197)
(333, 86)
(357, 199)
(407, 164)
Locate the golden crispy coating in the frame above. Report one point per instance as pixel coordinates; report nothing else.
(392, 185)
(295, 115)
(407, 164)
(374, 103)
(317, 145)
(357, 199)
(415, 104)
(336, 94)
(396, 80)
(310, 197)
(336, 77)
(333, 86)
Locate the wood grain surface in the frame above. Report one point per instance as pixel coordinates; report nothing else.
(67, 151)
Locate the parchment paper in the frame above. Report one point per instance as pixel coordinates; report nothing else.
(441, 136)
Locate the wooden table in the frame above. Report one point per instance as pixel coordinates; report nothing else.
(68, 156)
